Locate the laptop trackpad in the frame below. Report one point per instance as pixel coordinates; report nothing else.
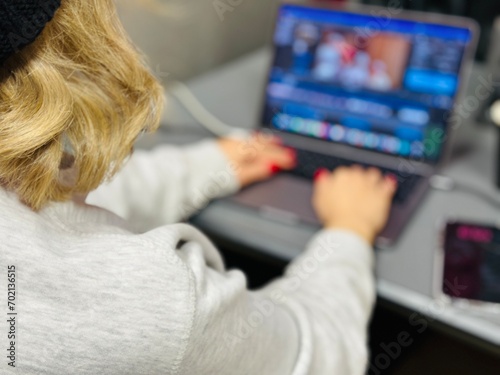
(285, 197)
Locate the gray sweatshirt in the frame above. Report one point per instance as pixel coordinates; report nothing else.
(114, 286)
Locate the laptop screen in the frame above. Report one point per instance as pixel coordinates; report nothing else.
(377, 83)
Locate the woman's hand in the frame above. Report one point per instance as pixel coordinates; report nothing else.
(355, 199)
(258, 157)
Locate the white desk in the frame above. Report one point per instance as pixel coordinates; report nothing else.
(405, 273)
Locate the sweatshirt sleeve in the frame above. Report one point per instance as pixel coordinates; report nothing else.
(166, 184)
(313, 320)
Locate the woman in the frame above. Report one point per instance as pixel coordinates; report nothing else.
(125, 290)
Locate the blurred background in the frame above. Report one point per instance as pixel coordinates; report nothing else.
(184, 38)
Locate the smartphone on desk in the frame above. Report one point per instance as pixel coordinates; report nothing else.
(468, 266)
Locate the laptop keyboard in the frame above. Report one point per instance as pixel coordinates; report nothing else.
(309, 162)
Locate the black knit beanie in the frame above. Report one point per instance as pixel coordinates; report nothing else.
(21, 21)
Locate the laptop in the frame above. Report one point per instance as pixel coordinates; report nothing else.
(366, 85)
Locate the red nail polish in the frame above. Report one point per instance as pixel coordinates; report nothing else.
(274, 168)
(320, 172)
(392, 177)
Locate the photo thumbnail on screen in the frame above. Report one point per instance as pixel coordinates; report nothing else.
(337, 55)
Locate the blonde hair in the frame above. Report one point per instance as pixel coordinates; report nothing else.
(77, 97)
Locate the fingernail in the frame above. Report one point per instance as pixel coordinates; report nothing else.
(392, 178)
(320, 172)
(273, 168)
(292, 154)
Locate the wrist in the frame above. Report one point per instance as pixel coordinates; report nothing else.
(364, 231)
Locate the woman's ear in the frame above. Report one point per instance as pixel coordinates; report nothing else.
(67, 161)
(68, 158)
